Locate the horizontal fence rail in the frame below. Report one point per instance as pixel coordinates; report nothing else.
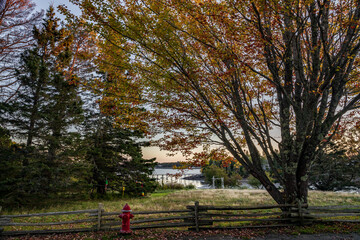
(331, 213)
(174, 218)
(230, 217)
(194, 217)
(49, 213)
(245, 207)
(10, 228)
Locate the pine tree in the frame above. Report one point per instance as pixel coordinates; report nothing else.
(20, 183)
(335, 169)
(47, 106)
(25, 111)
(46, 102)
(63, 108)
(116, 157)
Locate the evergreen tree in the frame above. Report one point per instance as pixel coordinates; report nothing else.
(47, 102)
(47, 106)
(20, 183)
(63, 108)
(335, 170)
(116, 158)
(25, 112)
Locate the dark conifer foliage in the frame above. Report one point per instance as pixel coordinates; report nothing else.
(47, 104)
(43, 115)
(26, 110)
(335, 170)
(116, 158)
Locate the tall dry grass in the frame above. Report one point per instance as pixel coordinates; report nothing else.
(168, 200)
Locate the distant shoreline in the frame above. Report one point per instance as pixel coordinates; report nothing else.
(197, 177)
(166, 167)
(171, 165)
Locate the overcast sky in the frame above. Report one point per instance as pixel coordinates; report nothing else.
(149, 152)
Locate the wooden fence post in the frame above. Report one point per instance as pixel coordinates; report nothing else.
(196, 215)
(100, 211)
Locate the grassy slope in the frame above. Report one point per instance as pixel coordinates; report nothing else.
(165, 200)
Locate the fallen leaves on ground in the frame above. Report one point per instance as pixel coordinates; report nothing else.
(164, 234)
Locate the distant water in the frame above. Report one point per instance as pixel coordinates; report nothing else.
(161, 174)
(159, 171)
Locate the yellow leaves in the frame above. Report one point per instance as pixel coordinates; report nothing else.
(198, 1)
(190, 65)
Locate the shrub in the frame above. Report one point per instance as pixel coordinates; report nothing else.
(174, 186)
(233, 180)
(255, 183)
(190, 186)
(217, 172)
(214, 171)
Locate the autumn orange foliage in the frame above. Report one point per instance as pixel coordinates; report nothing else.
(253, 77)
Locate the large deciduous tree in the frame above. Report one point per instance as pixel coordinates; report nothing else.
(256, 76)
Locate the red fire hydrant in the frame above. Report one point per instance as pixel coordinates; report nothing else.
(126, 216)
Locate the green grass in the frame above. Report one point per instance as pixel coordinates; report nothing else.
(177, 200)
(326, 228)
(162, 193)
(172, 199)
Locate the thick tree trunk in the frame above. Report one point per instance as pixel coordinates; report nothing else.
(101, 188)
(303, 191)
(269, 186)
(293, 193)
(294, 190)
(33, 117)
(99, 182)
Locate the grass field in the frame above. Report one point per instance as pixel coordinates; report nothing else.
(178, 200)
(169, 200)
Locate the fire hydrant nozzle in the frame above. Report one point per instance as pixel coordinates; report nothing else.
(126, 216)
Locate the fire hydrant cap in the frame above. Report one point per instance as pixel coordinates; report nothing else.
(126, 208)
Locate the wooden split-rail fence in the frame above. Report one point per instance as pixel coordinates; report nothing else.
(194, 217)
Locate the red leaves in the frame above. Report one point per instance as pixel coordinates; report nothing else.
(160, 234)
(218, 155)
